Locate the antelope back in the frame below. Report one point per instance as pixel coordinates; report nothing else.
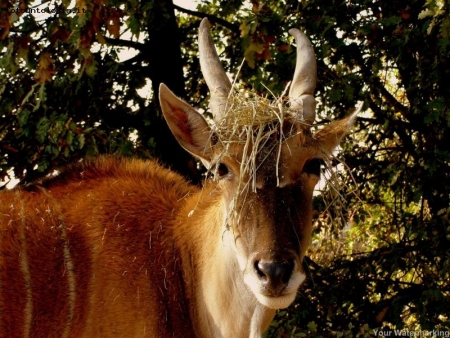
(90, 253)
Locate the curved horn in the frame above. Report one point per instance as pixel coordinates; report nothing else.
(305, 76)
(218, 83)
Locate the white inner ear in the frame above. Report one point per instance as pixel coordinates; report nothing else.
(188, 126)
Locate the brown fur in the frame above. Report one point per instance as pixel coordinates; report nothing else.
(116, 217)
(126, 248)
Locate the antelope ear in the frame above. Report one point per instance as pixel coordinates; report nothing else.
(330, 136)
(189, 128)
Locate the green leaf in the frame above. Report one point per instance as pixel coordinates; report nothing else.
(391, 21)
(42, 129)
(251, 51)
(91, 67)
(81, 140)
(41, 98)
(312, 326)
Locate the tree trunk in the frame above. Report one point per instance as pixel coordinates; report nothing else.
(166, 66)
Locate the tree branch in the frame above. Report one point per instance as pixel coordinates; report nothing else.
(212, 18)
(378, 86)
(125, 43)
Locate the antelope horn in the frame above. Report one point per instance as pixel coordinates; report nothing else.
(303, 84)
(218, 83)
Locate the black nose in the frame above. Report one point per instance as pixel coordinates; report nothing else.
(273, 274)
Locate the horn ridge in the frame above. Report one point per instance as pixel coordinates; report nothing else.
(303, 84)
(217, 80)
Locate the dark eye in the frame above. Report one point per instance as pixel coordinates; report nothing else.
(222, 170)
(312, 167)
(214, 138)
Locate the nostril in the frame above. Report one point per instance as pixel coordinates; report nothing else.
(288, 268)
(273, 272)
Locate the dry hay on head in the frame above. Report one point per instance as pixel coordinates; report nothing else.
(255, 121)
(247, 110)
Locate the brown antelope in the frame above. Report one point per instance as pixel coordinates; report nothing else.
(126, 248)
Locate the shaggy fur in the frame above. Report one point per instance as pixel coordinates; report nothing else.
(91, 253)
(126, 248)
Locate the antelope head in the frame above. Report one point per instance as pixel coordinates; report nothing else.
(267, 206)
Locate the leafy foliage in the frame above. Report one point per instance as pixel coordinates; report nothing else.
(66, 92)
(381, 258)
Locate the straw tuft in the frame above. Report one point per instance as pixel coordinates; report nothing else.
(257, 123)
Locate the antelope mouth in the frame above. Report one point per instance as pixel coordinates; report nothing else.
(275, 298)
(276, 302)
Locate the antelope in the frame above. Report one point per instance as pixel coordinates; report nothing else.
(114, 247)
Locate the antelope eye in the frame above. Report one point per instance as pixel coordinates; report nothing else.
(312, 167)
(221, 170)
(214, 138)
